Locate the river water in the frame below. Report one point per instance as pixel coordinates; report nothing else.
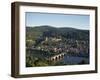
(72, 60)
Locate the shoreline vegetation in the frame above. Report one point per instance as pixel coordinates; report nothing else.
(50, 46)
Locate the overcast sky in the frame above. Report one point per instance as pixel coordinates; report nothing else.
(57, 20)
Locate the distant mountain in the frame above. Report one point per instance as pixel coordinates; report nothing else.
(50, 31)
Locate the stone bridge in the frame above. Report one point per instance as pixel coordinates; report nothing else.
(50, 58)
(57, 57)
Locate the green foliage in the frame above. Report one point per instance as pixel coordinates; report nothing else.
(32, 61)
(41, 62)
(32, 33)
(29, 43)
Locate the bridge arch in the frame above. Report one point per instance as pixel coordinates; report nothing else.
(57, 57)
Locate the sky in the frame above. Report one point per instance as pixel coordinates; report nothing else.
(57, 20)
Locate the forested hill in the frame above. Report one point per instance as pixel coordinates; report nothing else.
(49, 31)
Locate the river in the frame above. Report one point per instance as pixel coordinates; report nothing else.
(72, 60)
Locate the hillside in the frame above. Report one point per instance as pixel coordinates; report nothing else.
(49, 31)
(44, 42)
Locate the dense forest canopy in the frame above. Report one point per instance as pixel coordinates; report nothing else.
(49, 31)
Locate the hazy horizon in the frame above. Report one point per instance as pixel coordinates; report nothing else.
(56, 27)
(34, 19)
